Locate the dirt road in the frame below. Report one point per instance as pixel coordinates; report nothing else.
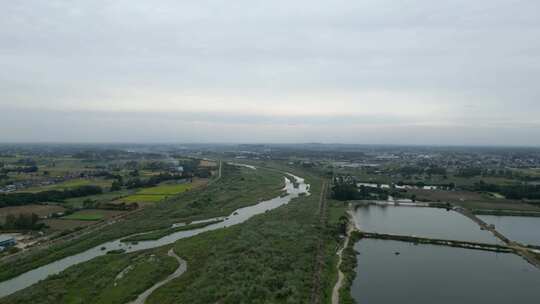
(341, 276)
(182, 267)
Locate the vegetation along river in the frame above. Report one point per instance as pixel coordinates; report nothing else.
(241, 215)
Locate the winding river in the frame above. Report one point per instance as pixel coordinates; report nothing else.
(241, 215)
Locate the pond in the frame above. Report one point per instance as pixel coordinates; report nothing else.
(420, 221)
(517, 228)
(437, 274)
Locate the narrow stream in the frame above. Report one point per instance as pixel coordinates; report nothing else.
(241, 215)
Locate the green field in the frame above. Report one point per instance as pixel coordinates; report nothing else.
(84, 217)
(156, 194)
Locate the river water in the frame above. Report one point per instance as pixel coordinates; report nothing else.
(421, 222)
(241, 215)
(517, 228)
(438, 274)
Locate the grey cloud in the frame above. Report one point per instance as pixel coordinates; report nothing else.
(54, 54)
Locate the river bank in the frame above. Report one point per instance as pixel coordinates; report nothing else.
(238, 216)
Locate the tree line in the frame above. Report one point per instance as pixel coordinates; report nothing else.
(516, 191)
(26, 198)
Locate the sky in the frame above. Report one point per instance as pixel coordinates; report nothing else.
(454, 72)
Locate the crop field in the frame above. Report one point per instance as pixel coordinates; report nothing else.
(207, 163)
(165, 189)
(40, 210)
(78, 202)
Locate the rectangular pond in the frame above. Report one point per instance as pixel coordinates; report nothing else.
(517, 228)
(419, 221)
(436, 274)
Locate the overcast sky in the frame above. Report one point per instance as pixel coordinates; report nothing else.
(355, 71)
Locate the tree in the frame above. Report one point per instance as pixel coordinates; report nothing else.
(343, 223)
(116, 186)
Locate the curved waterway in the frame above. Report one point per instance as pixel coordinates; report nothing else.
(241, 215)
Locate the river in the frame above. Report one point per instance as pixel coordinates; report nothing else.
(241, 215)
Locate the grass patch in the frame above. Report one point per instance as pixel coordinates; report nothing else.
(99, 280)
(84, 217)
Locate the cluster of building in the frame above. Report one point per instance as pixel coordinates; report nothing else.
(6, 241)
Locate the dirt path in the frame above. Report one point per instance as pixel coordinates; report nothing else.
(182, 267)
(316, 292)
(341, 276)
(219, 174)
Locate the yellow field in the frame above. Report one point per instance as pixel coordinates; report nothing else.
(166, 189)
(135, 198)
(156, 194)
(207, 163)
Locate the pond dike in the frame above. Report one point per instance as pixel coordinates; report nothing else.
(449, 243)
(523, 250)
